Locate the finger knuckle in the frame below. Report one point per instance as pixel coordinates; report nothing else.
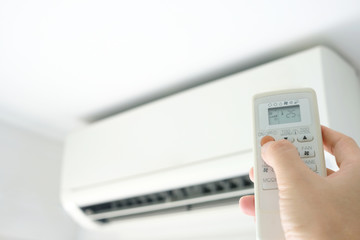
(348, 141)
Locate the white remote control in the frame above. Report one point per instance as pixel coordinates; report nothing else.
(291, 115)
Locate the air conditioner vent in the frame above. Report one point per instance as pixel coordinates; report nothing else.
(184, 198)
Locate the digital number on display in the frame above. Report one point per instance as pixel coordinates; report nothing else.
(281, 115)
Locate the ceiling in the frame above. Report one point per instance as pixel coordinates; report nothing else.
(65, 63)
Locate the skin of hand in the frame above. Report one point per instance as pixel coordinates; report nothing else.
(311, 206)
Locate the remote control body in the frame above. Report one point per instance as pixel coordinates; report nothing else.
(291, 115)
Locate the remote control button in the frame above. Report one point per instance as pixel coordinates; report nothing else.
(269, 183)
(305, 138)
(268, 177)
(313, 167)
(307, 154)
(268, 170)
(289, 138)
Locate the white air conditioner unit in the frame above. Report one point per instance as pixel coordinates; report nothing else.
(176, 167)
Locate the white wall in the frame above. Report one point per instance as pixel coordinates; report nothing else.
(29, 187)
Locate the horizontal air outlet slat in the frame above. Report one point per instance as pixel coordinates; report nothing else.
(210, 191)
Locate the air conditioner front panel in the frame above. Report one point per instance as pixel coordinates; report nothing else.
(199, 124)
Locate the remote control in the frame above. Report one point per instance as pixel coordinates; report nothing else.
(291, 115)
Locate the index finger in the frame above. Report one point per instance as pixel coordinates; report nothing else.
(341, 146)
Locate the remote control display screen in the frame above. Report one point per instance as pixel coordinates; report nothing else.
(281, 115)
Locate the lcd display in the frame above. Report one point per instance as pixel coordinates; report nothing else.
(281, 115)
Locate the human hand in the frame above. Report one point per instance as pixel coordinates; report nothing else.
(311, 206)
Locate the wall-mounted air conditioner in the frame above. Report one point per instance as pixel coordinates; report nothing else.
(175, 168)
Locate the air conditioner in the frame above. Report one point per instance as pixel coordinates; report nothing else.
(176, 167)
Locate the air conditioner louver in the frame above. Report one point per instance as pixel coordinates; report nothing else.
(225, 191)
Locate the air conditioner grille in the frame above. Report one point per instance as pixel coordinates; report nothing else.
(170, 199)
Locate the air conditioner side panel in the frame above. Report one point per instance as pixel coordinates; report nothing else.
(342, 89)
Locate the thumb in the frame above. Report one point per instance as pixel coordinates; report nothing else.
(284, 158)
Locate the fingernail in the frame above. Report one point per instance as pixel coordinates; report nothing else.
(266, 139)
(265, 147)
